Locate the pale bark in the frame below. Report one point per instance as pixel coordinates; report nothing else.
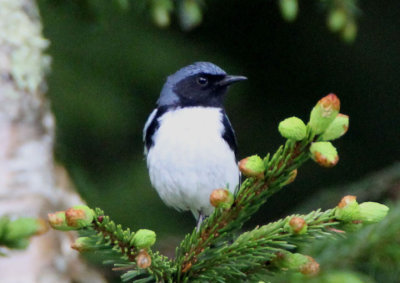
(28, 175)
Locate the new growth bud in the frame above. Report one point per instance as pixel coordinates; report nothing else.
(293, 128)
(82, 244)
(79, 216)
(292, 261)
(296, 225)
(252, 166)
(190, 14)
(289, 9)
(297, 262)
(42, 226)
(323, 113)
(349, 32)
(324, 153)
(160, 12)
(337, 128)
(372, 212)
(221, 198)
(143, 239)
(292, 177)
(348, 209)
(58, 221)
(311, 268)
(347, 200)
(143, 259)
(23, 227)
(337, 19)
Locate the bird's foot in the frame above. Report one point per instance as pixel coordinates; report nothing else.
(200, 221)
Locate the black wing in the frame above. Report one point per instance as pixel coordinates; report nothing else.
(228, 134)
(151, 127)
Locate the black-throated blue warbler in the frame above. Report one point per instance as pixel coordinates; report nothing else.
(189, 142)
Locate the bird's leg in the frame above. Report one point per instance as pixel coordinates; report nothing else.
(200, 220)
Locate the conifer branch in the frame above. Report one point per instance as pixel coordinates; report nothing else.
(251, 250)
(126, 250)
(215, 252)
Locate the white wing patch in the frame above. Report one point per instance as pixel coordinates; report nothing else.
(148, 122)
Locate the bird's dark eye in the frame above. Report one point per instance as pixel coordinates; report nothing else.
(202, 81)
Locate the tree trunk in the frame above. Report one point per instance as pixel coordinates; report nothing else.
(30, 182)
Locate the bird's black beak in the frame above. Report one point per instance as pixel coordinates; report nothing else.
(228, 80)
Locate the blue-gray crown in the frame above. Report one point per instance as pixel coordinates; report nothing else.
(196, 68)
(168, 97)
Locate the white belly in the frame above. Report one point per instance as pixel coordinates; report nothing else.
(190, 159)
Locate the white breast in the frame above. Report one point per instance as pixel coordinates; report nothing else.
(190, 159)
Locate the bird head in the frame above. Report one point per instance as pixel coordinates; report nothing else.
(199, 84)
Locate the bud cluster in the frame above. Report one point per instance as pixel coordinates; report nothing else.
(189, 12)
(329, 124)
(341, 21)
(351, 212)
(74, 218)
(326, 123)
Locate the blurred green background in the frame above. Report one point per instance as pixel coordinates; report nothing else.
(110, 63)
